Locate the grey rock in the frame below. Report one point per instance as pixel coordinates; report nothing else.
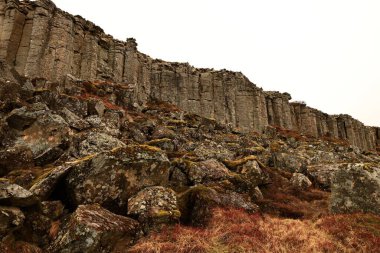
(74, 121)
(154, 206)
(98, 142)
(93, 229)
(45, 184)
(110, 178)
(300, 181)
(15, 195)
(356, 188)
(11, 218)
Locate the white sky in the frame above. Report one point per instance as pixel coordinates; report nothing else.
(323, 52)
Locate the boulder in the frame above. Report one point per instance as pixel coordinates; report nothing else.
(251, 170)
(290, 162)
(46, 183)
(11, 218)
(46, 134)
(98, 142)
(322, 174)
(15, 195)
(15, 157)
(164, 144)
(24, 117)
(93, 229)
(205, 171)
(356, 188)
(110, 178)
(249, 173)
(300, 181)
(197, 203)
(154, 206)
(162, 132)
(212, 150)
(52, 209)
(74, 121)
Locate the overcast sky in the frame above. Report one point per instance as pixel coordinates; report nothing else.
(323, 52)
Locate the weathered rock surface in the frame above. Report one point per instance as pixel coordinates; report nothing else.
(93, 229)
(45, 133)
(197, 204)
(323, 174)
(15, 195)
(110, 178)
(45, 184)
(154, 206)
(356, 188)
(10, 218)
(300, 181)
(89, 126)
(98, 142)
(40, 40)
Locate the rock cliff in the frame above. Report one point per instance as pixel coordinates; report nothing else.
(41, 41)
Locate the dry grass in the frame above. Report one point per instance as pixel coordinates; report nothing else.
(106, 102)
(236, 231)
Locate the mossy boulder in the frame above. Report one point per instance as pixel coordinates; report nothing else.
(197, 203)
(93, 229)
(356, 188)
(154, 206)
(110, 178)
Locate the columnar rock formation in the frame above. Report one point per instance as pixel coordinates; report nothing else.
(40, 40)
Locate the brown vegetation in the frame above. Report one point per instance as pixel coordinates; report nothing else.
(237, 231)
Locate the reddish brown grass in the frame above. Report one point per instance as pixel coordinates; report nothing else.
(236, 231)
(105, 101)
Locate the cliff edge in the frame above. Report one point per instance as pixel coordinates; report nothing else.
(41, 41)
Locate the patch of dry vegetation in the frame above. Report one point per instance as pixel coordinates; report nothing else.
(237, 231)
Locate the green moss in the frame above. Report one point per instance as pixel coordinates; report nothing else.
(176, 122)
(158, 141)
(83, 159)
(42, 176)
(176, 214)
(257, 150)
(370, 167)
(185, 200)
(5, 180)
(234, 164)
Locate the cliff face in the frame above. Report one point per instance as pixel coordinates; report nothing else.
(40, 40)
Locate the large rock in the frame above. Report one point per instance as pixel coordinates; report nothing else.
(110, 178)
(356, 188)
(322, 174)
(300, 181)
(47, 183)
(199, 172)
(248, 174)
(93, 229)
(154, 206)
(197, 203)
(290, 162)
(15, 195)
(15, 157)
(98, 142)
(45, 133)
(74, 121)
(10, 218)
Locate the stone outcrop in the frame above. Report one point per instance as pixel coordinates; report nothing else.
(356, 188)
(40, 40)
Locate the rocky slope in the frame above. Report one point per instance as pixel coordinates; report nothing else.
(83, 170)
(40, 40)
(100, 145)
